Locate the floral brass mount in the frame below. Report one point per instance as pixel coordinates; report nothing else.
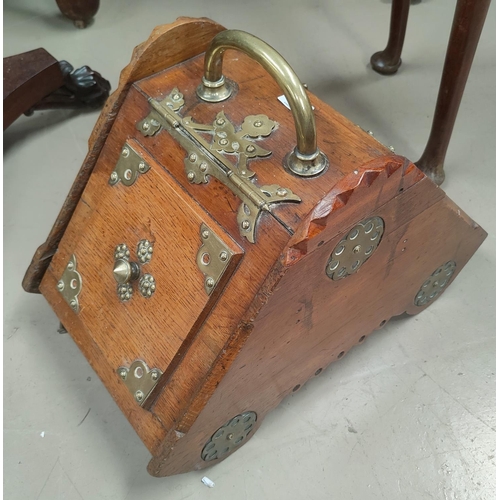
(206, 159)
(126, 272)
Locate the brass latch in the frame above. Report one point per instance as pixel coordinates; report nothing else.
(206, 159)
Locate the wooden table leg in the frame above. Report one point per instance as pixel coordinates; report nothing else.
(467, 26)
(388, 60)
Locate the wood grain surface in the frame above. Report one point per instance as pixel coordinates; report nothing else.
(167, 45)
(311, 321)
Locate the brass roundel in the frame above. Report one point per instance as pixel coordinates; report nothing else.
(355, 248)
(435, 283)
(228, 437)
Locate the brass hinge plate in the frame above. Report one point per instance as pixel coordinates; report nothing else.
(206, 159)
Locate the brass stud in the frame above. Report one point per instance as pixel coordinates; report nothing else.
(210, 282)
(191, 176)
(193, 157)
(281, 192)
(245, 224)
(123, 373)
(205, 234)
(223, 256)
(125, 152)
(145, 126)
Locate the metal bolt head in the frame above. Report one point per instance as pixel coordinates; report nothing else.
(113, 176)
(281, 192)
(125, 152)
(220, 121)
(250, 149)
(123, 373)
(139, 396)
(70, 265)
(356, 249)
(223, 256)
(230, 436)
(205, 234)
(223, 142)
(145, 126)
(258, 123)
(60, 285)
(193, 157)
(203, 167)
(142, 166)
(176, 97)
(154, 375)
(245, 224)
(210, 282)
(191, 176)
(154, 122)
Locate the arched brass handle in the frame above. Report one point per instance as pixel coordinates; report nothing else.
(306, 159)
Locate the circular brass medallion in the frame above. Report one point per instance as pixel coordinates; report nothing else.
(355, 248)
(228, 437)
(435, 283)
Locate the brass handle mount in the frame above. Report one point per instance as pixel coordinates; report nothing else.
(305, 160)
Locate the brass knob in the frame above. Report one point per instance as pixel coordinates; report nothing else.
(125, 271)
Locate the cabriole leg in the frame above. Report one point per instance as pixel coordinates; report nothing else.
(388, 60)
(465, 32)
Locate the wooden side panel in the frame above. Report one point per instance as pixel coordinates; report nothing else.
(310, 321)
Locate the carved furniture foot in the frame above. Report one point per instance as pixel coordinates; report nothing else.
(35, 80)
(79, 11)
(388, 61)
